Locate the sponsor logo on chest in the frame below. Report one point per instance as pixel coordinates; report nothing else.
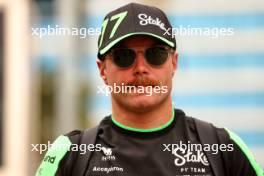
(184, 156)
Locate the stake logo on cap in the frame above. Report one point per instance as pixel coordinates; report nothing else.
(133, 19)
(146, 20)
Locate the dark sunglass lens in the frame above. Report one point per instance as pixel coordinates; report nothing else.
(156, 55)
(124, 57)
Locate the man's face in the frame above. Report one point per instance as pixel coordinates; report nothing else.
(140, 74)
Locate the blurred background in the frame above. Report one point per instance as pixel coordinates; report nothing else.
(48, 84)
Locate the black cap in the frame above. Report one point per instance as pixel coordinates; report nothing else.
(134, 19)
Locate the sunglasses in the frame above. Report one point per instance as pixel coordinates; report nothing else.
(126, 57)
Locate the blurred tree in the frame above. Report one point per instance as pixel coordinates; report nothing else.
(46, 7)
(1, 82)
(47, 88)
(83, 105)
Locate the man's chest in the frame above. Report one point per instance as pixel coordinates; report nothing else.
(154, 158)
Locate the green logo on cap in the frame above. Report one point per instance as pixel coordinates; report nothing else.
(120, 17)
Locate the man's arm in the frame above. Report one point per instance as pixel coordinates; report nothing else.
(241, 161)
(59, 158)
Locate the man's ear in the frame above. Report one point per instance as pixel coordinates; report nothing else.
(102, 69)
(174, 62)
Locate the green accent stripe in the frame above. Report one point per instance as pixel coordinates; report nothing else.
(246, 151)
(105, 49)
(143, 130)
(120, 17)
(53, 157)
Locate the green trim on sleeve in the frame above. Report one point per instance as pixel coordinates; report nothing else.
(54, 155)
(110, 45)
(143, 130)
(246, 151)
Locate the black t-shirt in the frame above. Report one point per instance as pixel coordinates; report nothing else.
(158, 153)
(133, 153)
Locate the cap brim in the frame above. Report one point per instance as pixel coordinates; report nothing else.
(110, 45)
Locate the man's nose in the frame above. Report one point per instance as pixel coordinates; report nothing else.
(141, 66)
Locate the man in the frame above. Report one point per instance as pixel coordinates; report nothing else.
(145, 135)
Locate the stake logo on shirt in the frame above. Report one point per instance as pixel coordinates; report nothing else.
(185, 155)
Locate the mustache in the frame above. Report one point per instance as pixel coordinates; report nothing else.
(143, 81)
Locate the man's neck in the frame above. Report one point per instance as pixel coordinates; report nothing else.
(154, 118)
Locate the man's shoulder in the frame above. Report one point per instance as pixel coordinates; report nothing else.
(203, 127)
(60, 156)
(74, 136)
(54, 155)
